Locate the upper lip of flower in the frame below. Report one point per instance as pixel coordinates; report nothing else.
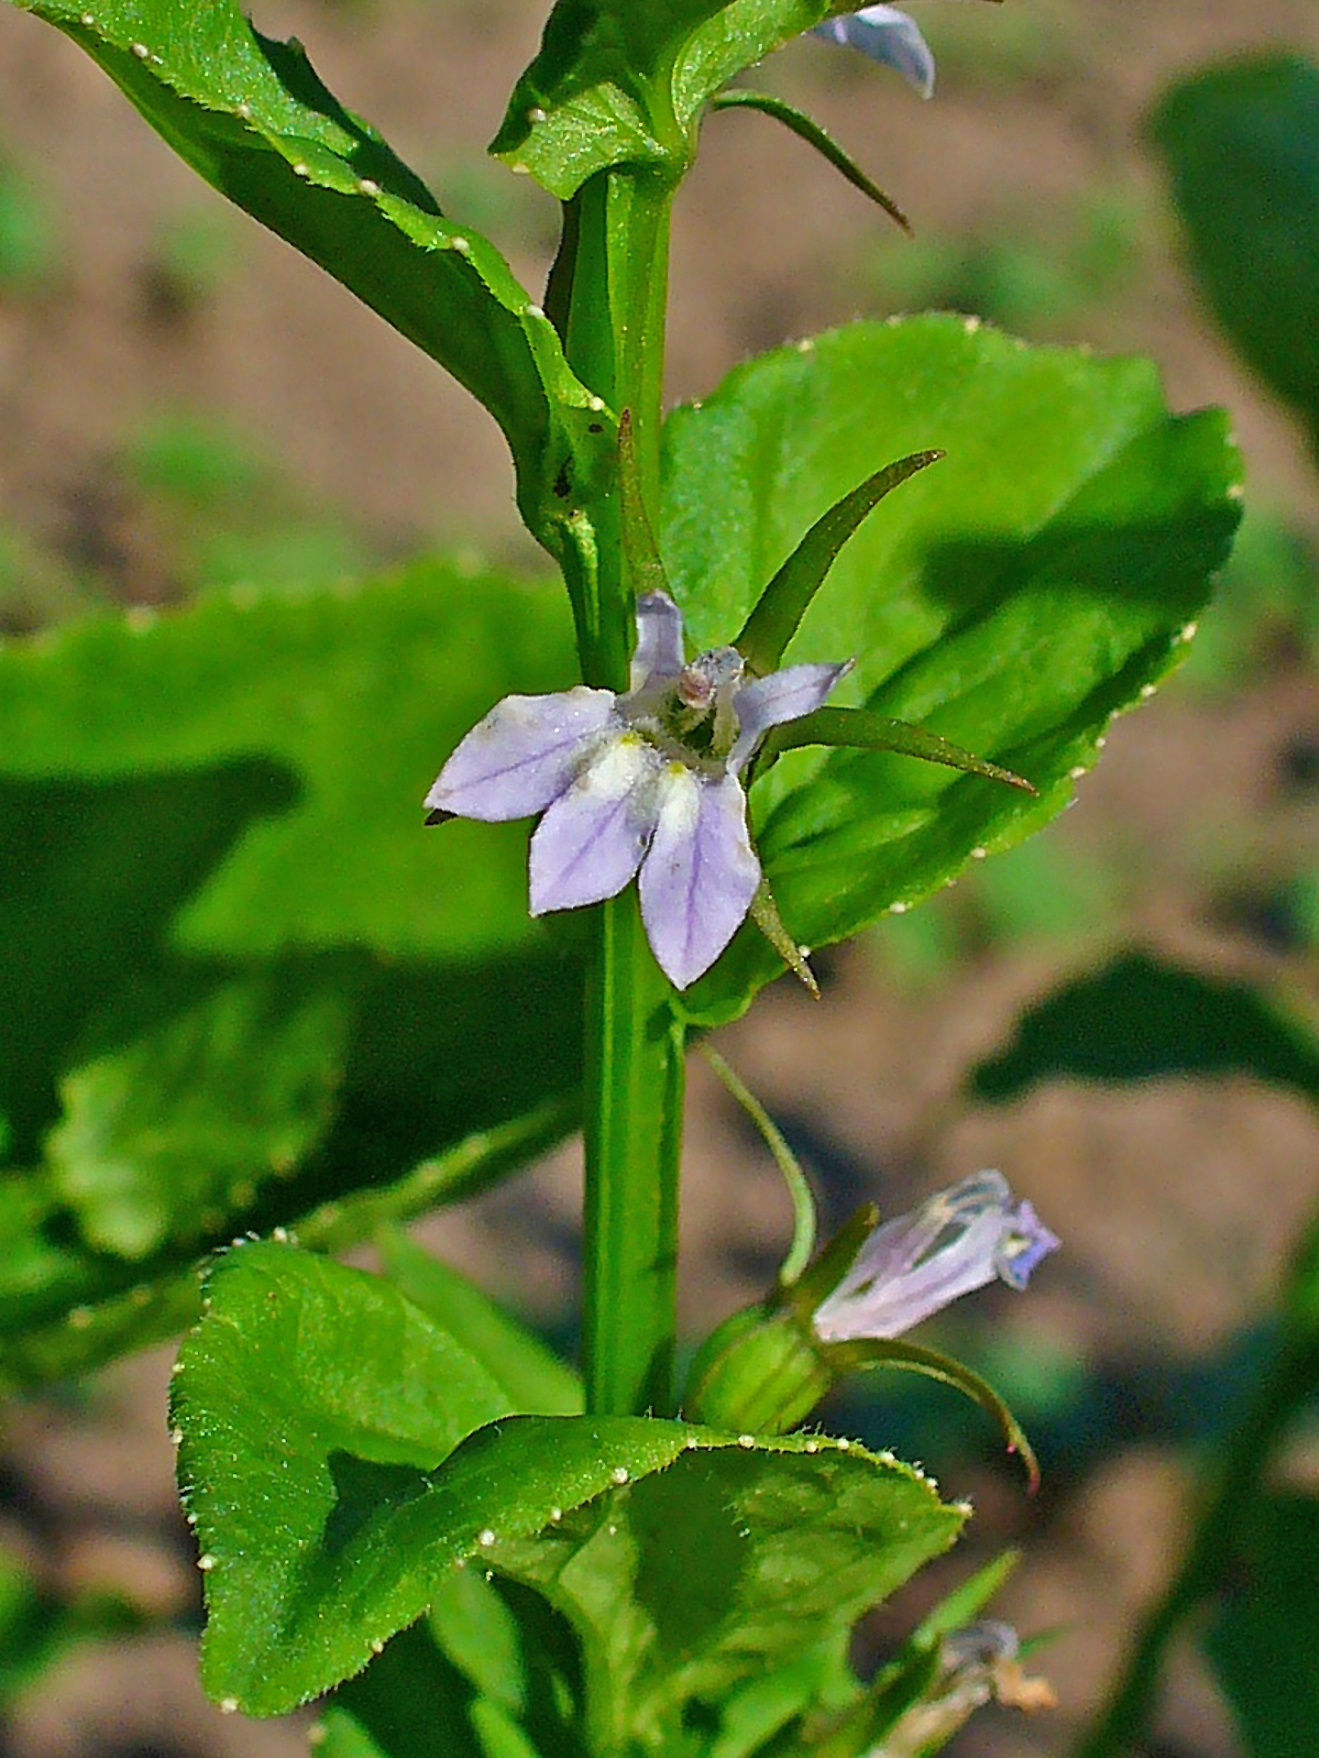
(887, 34)
(914, 1265)
(648, 779)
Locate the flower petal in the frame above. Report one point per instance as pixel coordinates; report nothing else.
(700, 875)
(659, 652)
(522, 755)
(1023, 1246)
(783, 695)
(886, 34)
(591, 840)
(916, 1264)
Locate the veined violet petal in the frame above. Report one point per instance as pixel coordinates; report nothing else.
(782, 696)
(916, 1264)
(886, 34)
(524, 754)
(659, 651)
(591, 840)
(700, 875)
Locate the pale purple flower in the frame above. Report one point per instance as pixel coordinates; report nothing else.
(647, 780)
(910, 1267)
(887, 34)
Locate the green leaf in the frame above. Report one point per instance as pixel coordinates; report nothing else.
(252, 118)
(161, 1140)
(1011, 601)
(376, 1715)
(214, 868)
(722, 1568)
(534, 1378)
(778, 1702)
(65, 1309)
(351, 698)
(498, 1671)
(321, 1417)
(623, 82)
(1264, 1640)
(1139, 1018)
(1241, 145)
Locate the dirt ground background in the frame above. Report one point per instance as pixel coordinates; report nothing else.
(150, 301)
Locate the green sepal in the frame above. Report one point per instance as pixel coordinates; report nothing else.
(808, 129)
(765, 914)
(863, 1352)
(863, 730)
(833, 1263)
(784, 602)
(536, 1381)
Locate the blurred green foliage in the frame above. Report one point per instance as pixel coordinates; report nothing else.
(185, 504)
(1265, 611)
(1264, 1637)
(196, 249)
(1138, 1018)
(222, 515)
(1241, 145)
(28, 254)
(979, 47)
(1049, 889)
(1039, 278)
(38, 1627)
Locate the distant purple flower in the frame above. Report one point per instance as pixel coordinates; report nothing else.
(916, 1264)
(885, 34)
(648, 780)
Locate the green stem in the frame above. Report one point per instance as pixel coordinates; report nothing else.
(608, 296)
(633, 1136)
(1214, 1544)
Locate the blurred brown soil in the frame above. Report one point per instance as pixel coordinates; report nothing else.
(1177, 1202)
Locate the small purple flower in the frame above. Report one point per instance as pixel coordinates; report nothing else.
(885, 34)
(647, 780)
(916, 1264)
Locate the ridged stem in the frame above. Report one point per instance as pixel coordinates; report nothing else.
(608, 296)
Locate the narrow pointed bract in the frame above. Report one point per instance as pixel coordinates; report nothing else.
(912, 1266)
(887, 34)
(644, 782)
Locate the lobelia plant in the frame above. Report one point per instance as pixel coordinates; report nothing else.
(401, 1497)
